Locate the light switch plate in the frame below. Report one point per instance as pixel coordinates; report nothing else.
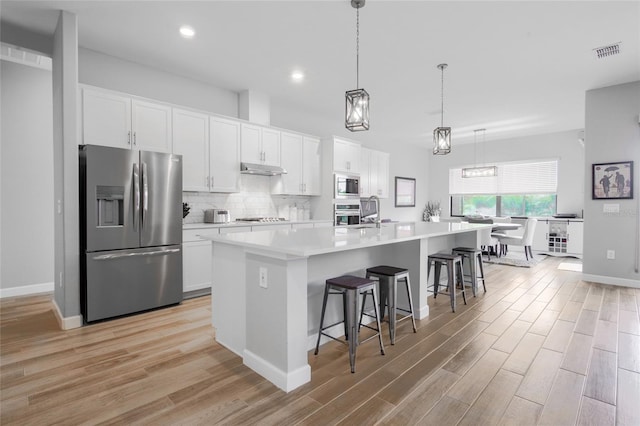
(263, 277)
(611, 208)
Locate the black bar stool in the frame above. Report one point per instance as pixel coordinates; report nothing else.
(474, 256)
(388, 277)
(350, 287)
(454, 269)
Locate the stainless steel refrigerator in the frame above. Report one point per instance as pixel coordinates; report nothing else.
(130, 231)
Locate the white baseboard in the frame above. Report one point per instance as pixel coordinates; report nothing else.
(624, 282)
(25, 290)
(66, 323)
(285, 381)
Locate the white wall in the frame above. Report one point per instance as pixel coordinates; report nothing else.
(26, 177)
(612, 134)
(113, 73)
(65, 170)
(563, 145)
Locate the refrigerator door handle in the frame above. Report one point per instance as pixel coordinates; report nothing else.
(136, 196)
(145, 194)
(146, 253)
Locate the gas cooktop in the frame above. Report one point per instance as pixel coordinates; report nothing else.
(261, 219)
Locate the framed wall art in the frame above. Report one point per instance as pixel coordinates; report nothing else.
(612, 181)
(405, 192)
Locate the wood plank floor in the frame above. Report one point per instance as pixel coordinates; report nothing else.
(540, 347)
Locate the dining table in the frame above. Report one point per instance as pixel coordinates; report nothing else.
(507, 226)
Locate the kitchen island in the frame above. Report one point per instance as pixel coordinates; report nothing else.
(268, 285)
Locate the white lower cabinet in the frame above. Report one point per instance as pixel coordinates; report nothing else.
(196, 260)
(557, 237)
(301, 225)
(235, 229)
(327, 224)
(196, 265)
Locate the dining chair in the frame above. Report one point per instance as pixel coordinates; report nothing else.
(526, 240)
(496, 234)
(487, 242)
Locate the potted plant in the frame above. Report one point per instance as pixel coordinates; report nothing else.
(431, 212)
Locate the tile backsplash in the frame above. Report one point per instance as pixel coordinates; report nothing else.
(253, 200)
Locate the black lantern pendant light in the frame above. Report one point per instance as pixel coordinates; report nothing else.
(442, 135)
(357, 101)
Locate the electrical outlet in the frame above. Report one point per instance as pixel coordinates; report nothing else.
(263, 277)
(611, 254)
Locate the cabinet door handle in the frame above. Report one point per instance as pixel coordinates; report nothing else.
(129, 137)
(134, 138)
(305, 187)
(348, 165)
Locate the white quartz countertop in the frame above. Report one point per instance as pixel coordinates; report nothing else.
(236, 224)
(313, 241)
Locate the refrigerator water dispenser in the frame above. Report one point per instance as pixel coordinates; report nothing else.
(110, 201)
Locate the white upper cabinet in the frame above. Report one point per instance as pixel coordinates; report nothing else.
(260, 145)
(291, 161)
(311, 162)
(365, 172)
(112, 119)
(106, 119)
(374, 173)
(271, 146)
(191, 140)
(346, 156)
(251, 145)
(300, 157)
(380, 168)
(151, 125)
(225, 155)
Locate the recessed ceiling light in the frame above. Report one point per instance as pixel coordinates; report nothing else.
(297, 76)
(187, 32)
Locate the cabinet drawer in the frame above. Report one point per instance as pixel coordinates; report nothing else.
(235, 229)
(194, 234)
(301, 225)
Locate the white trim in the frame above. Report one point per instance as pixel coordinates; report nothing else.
(285, 381)
(66, 323)
(624, 282)
(25, 290)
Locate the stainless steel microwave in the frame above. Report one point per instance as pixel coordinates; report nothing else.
(347, 186)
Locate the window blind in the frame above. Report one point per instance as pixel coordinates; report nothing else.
(534, 177)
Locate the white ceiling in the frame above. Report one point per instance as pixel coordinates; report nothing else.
(516, 68)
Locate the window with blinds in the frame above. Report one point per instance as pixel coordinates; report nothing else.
(539, 177)
(519, 189)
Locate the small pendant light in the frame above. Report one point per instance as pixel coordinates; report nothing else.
(442, 135)
(357, 101)
(479, 171)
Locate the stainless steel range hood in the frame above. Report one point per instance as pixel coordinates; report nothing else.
(261, 169)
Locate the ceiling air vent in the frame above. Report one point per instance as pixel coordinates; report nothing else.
(606, 51)
(9, 52)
